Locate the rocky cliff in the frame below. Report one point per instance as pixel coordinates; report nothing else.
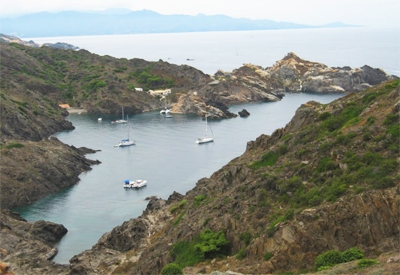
(32, 170)
(29, 246)
(326, 181)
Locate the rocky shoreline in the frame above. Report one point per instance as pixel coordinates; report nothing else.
(35, 164)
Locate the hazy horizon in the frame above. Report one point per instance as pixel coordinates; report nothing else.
(370, 13)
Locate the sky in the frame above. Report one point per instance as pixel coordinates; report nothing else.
(371, 13)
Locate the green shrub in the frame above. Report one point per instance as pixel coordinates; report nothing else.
(334, 257)
(367, 98)
(385, 182)
(270, 230)
(282, 149)
(246, 237)
(171, 269)
(326, 164)
(178, 220)
(185, 254)
(289, 214)
(198, 199)
(180, 205)
(268, 256)
(324, 116)
(14, 145)
(367, 262)
(268, 159)
(328, 258)
(352, 254)
(241, 254)
(212, 243)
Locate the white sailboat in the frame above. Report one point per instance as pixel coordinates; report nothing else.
(125, 142)
(120, 121)
(206, 138)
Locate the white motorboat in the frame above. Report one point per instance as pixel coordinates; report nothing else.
(206, 138)
(139, 183)
(134, 183)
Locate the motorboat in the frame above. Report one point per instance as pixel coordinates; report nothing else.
(139, 183)
(134, 183)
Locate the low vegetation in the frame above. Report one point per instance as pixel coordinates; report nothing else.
(207, 245)
(333, 257)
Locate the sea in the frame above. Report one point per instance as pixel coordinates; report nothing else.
(165, 153)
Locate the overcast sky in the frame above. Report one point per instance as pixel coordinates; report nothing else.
(372, 13)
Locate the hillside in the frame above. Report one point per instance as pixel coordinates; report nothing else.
(102, 84)
(327, 181)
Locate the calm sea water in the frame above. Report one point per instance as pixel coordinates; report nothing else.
(165, 153)
(211, 51)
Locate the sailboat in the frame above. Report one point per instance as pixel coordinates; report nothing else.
(125, 142)
(206, 138)
(165, 110)
(120, 121)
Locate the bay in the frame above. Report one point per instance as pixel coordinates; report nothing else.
(165, 155)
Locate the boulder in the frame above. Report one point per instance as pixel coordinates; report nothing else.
(244, 113)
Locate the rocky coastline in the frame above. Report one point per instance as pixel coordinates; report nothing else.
(35, 164)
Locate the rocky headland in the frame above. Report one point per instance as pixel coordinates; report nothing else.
(87, 81)
(328, 180)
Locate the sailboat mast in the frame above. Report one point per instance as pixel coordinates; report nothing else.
(206, 125)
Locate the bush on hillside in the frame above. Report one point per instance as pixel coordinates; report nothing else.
(171, 269)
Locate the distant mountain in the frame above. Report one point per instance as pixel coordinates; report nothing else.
(72, 23)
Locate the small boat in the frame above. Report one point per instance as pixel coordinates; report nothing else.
(166, 110)
(99, 119)
(120, 121)
(206, 138)
(140, 183)
(134, 183)
(125, 142)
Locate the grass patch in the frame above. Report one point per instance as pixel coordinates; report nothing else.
(14, 145)
(268, 159)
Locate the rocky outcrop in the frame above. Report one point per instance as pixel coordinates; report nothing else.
(243, 113)
(14, 39)
(368, 221)
(32, 170)
(293, 74)
(252, 83)
(27, 247)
